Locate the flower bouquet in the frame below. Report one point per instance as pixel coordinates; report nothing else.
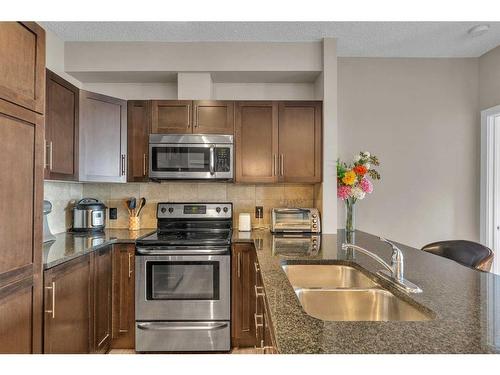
(353, 183)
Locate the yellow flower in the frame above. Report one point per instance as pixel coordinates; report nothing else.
(349, 178)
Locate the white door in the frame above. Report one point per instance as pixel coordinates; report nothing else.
(490, 182)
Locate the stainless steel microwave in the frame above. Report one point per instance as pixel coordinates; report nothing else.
(191, 156)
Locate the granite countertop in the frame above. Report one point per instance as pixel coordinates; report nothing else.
(464, 303)
(70, 245)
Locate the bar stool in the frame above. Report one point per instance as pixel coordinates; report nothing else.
(468, 253)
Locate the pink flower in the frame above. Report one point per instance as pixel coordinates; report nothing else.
(366, 185)
(343, 192)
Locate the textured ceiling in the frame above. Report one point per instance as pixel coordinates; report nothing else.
(370, 39)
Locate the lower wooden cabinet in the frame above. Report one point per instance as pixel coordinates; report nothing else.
(251, 323)
(123, 327)
(67, 307)
(102, 288)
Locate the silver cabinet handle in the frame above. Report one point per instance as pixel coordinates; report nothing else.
(282, 164)
(259, 291)
(239, 265)
(274, 165)
(144, 171)
(51, 157)
(185, 327)
(212, 160)
(257, 269)
(123, 164)
(130, 255)
(256, 318)
(53, 289)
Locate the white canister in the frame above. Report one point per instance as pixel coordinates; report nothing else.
(244, 223)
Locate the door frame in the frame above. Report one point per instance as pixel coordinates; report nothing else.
(490, 160)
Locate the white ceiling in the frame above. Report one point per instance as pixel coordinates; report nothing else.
(365, 39)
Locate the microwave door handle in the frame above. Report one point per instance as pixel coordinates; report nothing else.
(212, 160)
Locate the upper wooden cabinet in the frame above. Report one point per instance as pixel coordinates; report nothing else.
(22, 64)
(213, 117)
(138, 128)
(256, 141)
(123, 328)
(278, 142)
(103, 138)
(186, 117)
(172, 116)
(61, 129)
(67, 307)
(300, 150)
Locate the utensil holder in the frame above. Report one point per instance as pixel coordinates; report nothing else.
(134, 223)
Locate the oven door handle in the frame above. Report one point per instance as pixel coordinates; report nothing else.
(212, 160)
(182, 250)
(184, 327)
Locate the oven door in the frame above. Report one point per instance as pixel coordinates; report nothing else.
(190, 161)
(182, 287)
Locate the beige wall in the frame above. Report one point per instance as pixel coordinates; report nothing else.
(489, 79)
(420, 117)
(244, 197)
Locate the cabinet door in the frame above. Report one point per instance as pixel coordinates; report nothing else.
(21, 195)
(138, 125)
(103, 138)
(102, 300)
(123, 297)
(213, 117)
(22, 64)
(256, 141)
(67, 307)
(61, 129)
(172, 117)
(243, 296)
(300, 141)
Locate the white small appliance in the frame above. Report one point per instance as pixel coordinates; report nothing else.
(244, 222)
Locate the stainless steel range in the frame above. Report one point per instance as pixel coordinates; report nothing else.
(183, 280)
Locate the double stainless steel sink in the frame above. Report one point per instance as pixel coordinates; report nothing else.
(343, 293)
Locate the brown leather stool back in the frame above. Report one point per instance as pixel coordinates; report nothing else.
(468, 253)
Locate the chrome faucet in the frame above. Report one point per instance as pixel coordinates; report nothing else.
(394, 272)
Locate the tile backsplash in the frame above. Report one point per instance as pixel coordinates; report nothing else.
(243, 197)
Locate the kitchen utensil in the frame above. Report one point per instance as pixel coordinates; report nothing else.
(142, 203)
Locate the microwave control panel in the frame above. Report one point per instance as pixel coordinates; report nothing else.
(222, 159)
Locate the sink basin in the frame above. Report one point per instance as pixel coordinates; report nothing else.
(326, 276)
(357, 305)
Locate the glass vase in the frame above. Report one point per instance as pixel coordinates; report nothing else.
(350, 216)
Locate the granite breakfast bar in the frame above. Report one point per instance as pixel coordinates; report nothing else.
(464, 303)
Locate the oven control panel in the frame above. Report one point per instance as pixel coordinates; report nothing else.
(194, 210)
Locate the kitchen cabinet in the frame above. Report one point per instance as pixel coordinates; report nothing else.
(123, 299)
(101, 301)
(172, 117)
(256, 141)
(67, 307)
(265, 340)
(138, 129)
(103, 138)
(61, 128)
(243, 299)
(22, 97)
(300, 150)
(188, 117)
(213, 117)
(22, 65)
(278, 142)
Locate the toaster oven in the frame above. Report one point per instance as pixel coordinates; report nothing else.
(295, 220)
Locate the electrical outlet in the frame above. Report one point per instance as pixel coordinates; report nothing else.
(113, 213)
(259, 212)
